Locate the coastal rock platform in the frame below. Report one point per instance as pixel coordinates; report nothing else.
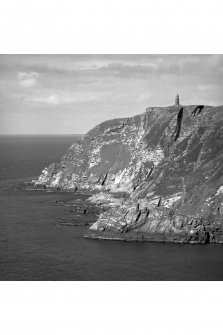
(157, 175)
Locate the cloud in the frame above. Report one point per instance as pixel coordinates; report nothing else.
(52, 99)
(27, 79)
(61, 99)
(99, 87)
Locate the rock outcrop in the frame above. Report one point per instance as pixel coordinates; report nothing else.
(165, 165)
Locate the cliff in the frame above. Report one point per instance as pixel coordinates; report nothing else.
(167, 164)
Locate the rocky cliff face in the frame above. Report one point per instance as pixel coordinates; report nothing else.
(167, 162)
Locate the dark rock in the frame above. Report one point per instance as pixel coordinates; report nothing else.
(167, 162)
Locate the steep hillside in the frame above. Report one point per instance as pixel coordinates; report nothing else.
(167, 162)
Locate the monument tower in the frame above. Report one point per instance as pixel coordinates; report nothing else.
(177, 100)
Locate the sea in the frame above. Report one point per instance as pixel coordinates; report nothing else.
(36, 246)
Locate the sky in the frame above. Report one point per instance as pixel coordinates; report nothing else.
(70, 94)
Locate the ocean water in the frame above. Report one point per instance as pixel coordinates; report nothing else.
(34, 245)
(26, 156)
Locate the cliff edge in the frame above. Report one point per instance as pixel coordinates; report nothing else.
(167, 164)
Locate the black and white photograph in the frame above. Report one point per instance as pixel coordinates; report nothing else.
(111, 167)
(98, 150)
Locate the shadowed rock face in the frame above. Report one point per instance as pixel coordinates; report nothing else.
(168, 161)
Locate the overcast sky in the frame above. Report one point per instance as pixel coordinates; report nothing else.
(70, 94)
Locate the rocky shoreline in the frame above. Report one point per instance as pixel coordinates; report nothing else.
(125, 222)
(77, 210)
(153, 237)
(100, 209)
(150, 238)
(155, 177)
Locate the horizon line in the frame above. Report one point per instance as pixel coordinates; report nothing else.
(42, 134)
